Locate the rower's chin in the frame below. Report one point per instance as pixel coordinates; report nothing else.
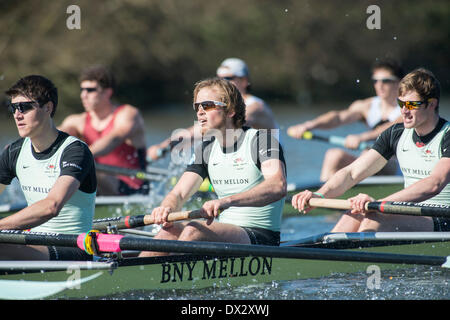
(408, 122)
(23, 132)
(204, 130)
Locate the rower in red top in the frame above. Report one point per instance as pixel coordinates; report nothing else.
(115, 133)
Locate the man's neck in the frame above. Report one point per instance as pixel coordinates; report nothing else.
(428, 126)
(231, 136)
(226, 137)
(43, 141)
(103, 111)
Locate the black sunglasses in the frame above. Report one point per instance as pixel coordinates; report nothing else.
(23, 107)
(88, 89)
(384, 80)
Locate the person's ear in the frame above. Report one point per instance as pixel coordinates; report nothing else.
(48, 107)
(432, 103)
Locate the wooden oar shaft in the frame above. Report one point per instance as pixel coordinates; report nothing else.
(390, 207)
(142, 220)
(330, 203)
(176, 216)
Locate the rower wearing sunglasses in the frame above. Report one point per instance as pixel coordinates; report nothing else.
(56, 173)
(245, 166)
(114, 133)
(377, 112)
(422, 145)
(258, 114)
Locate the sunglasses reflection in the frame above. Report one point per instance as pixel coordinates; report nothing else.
(411, 105)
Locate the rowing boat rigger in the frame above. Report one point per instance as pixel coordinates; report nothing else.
(204, 264)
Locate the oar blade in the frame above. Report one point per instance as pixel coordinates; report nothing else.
(31, 290)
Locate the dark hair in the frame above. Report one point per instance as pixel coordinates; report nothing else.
(423, 82)
(101, 74)
(389, 64)
(36, 88)
(230, 95)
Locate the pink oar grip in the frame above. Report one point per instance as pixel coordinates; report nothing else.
(106, 242)
(109, 242)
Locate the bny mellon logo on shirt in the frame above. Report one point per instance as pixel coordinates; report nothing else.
(238, 181)
(239, 163)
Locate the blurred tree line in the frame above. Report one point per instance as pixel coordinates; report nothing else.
(299, 51)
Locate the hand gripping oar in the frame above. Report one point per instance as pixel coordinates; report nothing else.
(336, 140)
(390, 207)
(142, 220)
(152, 174)
(117, 243)
(161, 152)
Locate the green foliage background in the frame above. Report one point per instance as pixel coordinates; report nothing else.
(298, 51)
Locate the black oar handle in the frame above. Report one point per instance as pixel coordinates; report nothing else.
(38, 238)
(389, 207)
(117, 243)
(119, 222)
(230, 249)
(410, 208)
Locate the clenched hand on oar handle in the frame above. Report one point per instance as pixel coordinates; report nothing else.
(143, 220)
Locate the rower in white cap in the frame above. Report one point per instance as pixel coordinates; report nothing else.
(258, 115)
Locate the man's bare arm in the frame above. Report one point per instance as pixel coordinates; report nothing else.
(365, 166)
(425, 188)
(125, 124)
(331, 119)
(72, 125)
(43, 210)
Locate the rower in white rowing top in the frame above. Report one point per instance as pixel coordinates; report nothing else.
(378, 112)
(245, 166)
(56, 173)
(422, 146)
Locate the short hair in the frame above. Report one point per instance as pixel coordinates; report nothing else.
(423, 82)
(391, 65)
(36, 88)
(99, 73)
(230, 95)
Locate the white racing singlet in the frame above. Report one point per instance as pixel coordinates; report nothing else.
(236, 172)
(417, 163)
(37, 178)
(375, 117)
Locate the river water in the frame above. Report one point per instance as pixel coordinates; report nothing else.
(304, 160)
